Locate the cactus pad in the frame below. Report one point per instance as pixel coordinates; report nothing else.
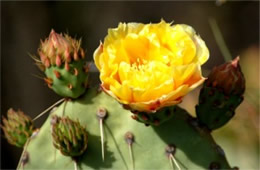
(194, 146)
(215, 108)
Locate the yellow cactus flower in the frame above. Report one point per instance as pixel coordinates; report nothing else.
(150, 66)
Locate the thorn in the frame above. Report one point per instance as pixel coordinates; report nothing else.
(235, 62)
(42, 57)
(47, 63)
(76, 56)
(67, 66)
(65, 103)
(76, 72)
(70, 86)
(49, 81)
(170, 160)
(58, 60)
(129, 138)
(82, 53)
(67, 55)
(52, 106)
(102, 139)
(134, 117)
(75, 165)
(57, 74)
(170, 151)
(175, 162)
(52, 31)
(101, 114)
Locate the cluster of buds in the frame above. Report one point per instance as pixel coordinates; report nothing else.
(221, 95)
(17, 128)
(69, 136)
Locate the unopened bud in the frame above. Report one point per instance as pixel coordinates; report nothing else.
(69, 136)
(221, 95)
(17, 128)
(228, 77)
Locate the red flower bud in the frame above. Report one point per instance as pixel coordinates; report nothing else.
(228, 77)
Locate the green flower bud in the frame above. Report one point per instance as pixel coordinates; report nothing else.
(17, 127)
(221, 94)
(62, 60)
(69, 136)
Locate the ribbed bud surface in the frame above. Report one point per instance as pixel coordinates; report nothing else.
(69, 136)
(17, 128)
(62, 60)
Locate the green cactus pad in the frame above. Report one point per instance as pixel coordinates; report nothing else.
(68, 83)
(195, 148)
(215, 109)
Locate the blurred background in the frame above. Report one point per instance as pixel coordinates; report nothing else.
(23, 24)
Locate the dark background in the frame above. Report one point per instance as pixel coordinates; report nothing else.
(23, 24)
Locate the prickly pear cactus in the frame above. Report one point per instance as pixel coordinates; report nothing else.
(143, 128)
(194, 146)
